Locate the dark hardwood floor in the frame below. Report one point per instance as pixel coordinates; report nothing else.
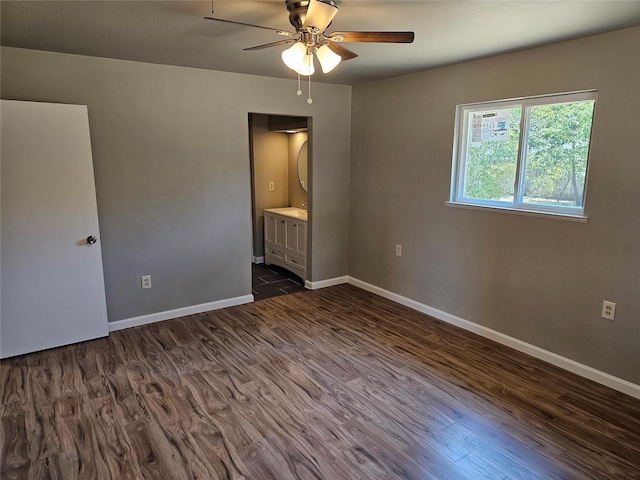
(330, 384)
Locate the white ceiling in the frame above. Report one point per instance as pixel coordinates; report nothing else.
(175, 33)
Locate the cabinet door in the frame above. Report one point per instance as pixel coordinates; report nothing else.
(291, 243)
(270, 228)
(301, 239)
(296, 237)
(281, 231)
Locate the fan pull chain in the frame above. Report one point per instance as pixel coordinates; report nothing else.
(309, 101)
(299, 92)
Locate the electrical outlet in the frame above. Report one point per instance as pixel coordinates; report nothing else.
(146, 281)
(272, 186)
(608, 310)
(398, 250)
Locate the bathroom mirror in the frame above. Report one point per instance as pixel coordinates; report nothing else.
(302, 166)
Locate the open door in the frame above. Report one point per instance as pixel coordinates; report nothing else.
(52, 284)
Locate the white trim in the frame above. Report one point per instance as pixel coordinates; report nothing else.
(330, 282)
(559, 361)
(574, 96)
(518, 211)
(258, 260)
(178, 312)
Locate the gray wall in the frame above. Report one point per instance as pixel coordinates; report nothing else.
(171, 158)
(536, 279)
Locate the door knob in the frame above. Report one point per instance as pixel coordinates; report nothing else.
(91, 239)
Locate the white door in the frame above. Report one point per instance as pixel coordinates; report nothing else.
(51, 281)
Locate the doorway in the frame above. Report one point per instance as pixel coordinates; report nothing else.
(278, 180)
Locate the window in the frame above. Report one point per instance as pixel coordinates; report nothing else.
(526, 154)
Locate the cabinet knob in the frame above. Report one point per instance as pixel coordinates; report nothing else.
(91, 239)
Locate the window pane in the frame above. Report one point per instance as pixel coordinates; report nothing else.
(491, 154)
(556, 154)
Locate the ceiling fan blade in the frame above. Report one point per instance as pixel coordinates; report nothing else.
(272, 44)
(344, 53)
(378, 37)
(242, 23)
(319, 15)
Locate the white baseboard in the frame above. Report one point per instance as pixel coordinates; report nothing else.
(330, 282)
(258, 259)
(178, 312)
(567, 364)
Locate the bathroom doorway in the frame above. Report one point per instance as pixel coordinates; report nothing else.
(280, 179)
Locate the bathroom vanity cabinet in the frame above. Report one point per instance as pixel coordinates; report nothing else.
(285, 235)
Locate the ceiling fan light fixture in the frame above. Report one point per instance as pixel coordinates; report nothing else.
(306, 66)
(294, 55)
(327, 58)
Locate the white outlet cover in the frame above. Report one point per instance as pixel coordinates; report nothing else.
(608, 310)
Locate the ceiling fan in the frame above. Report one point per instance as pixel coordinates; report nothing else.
(311, 18)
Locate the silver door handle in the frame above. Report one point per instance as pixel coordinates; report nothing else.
(91, 239)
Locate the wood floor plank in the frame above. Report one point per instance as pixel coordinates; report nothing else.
(384, 451)
(332, 384)
(15, 450)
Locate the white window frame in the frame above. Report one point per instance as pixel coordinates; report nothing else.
(460, 141)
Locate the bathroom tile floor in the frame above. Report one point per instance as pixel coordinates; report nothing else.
(271, 281)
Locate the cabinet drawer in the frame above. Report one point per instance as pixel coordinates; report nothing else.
(274, 252)
(295, 261)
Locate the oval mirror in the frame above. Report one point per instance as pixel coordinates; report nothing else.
(302, 166)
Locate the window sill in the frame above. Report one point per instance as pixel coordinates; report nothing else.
(514, 211)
